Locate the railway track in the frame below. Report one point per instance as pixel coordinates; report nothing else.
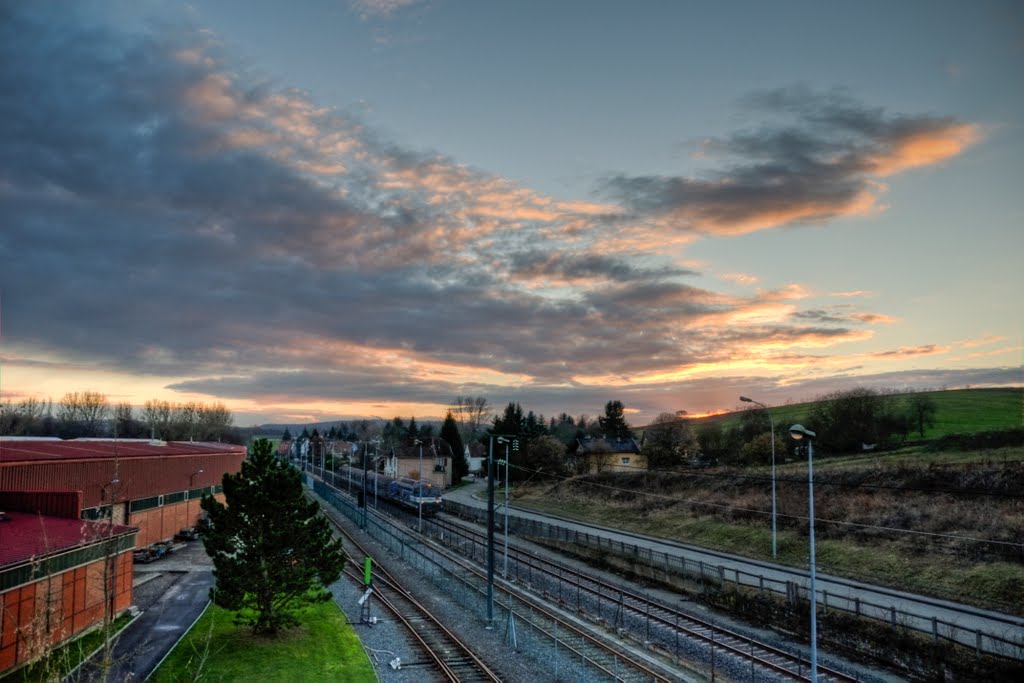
(444, 654)
(624, 608)
(596, 654)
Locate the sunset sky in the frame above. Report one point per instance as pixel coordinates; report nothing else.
(339, 209)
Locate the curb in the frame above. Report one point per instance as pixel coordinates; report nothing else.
(180, 638)
(85, 660)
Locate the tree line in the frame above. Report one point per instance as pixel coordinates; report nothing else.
(91, 414)
(845, 421)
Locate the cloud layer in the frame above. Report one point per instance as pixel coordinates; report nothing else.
(165, 213)
(826, 165)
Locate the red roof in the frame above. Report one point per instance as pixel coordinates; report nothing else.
(35, 449)
(25, 536)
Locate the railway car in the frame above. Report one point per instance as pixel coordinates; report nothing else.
(409, 493)
(415, 494)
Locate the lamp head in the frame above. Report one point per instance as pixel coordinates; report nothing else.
(417, 442)
(502, 439)
(798, 431)
(746, 400)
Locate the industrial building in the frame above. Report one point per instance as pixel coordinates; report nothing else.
(71, 514)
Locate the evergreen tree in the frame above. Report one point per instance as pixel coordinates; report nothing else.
(512, 421)
(287, 435)
(450, 433)
(413, 432)
(272, 552)
(613, 424)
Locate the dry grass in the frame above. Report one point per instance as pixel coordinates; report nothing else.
(943, 524)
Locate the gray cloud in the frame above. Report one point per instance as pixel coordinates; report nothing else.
(823, 166)
(165, 212)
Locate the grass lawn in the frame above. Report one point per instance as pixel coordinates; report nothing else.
(323, 648)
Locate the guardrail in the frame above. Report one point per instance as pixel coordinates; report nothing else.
(1005, 646)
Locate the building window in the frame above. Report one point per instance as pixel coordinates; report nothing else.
(625, 461)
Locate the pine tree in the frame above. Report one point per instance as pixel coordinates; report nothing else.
(613, 424)
(272, 552)
(450, 433)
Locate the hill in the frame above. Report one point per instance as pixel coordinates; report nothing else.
(957, 411)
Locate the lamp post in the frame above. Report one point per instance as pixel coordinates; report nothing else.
(799, 432)
(504, 566)
(419, 487)
(771, 421)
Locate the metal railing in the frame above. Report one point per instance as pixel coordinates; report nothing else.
(1010, 645)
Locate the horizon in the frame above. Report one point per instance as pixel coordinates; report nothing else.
(368, 208)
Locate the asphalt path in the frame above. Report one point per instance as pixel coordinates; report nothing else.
(841, 592)
(143, 645)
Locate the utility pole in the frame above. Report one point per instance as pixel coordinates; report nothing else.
(363, 497)
(490, 533)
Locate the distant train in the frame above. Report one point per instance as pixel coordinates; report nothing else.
(412, 494)
(416, 494)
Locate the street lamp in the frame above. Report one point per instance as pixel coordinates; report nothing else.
(799, 432)
(419, 486)
(771, 421)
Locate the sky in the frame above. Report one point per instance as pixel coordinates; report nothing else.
(345, 209)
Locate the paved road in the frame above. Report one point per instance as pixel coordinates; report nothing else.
(188, 576)
(841, 592)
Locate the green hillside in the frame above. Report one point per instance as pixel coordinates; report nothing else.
(957, 411)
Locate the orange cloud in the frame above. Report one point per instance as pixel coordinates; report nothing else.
(905, 351)
(863, 203)
(925, 148)
(874, 318)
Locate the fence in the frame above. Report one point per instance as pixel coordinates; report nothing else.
(534, 635)
(704, 572)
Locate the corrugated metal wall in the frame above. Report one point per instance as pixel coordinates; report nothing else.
(52, 503)
(138, 477)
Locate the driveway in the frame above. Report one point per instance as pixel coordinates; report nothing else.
(172, 592)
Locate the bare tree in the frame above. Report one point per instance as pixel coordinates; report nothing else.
(471, 412)
(186, 416)
(82, 413)
(214, 421)
(157, 416)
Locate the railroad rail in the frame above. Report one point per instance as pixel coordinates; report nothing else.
(598, 654)
(447, 654)
(627, 606)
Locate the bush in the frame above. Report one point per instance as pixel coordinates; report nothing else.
(979, 440)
